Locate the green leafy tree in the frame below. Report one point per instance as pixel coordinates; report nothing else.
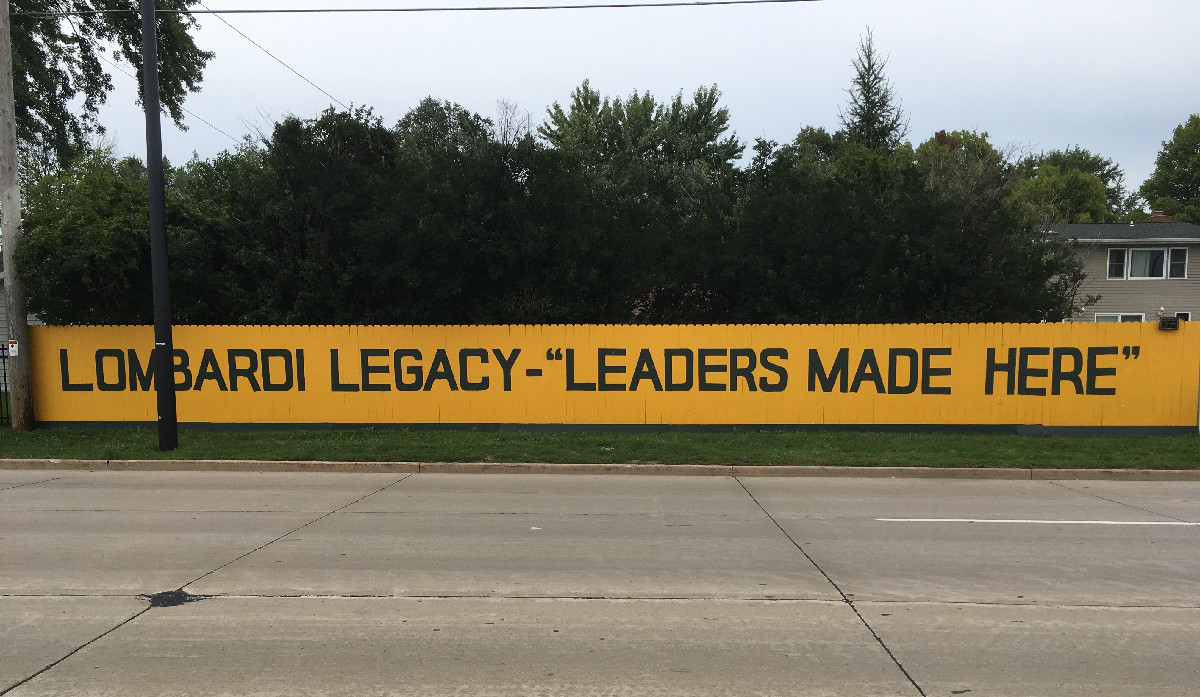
(615, 132)
(828, 229)
(986, 260)
(626, 210)
(83, 256)
(873, 115)
(1078, 159)
(220, 264)
(325, 179)
(1173, 187)
(1054, 196)
(60, 76)
(660, 174)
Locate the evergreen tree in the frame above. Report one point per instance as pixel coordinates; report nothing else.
(873, 116)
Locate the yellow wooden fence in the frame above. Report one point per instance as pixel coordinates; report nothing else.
(1130, 374)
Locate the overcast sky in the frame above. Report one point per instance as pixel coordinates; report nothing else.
(1112, 77)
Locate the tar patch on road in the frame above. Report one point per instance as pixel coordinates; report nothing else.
(172, 598)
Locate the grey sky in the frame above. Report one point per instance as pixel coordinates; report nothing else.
(1113, 77)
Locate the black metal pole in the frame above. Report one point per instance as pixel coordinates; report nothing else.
(164, 360)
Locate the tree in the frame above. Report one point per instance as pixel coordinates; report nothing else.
(988, 259)
(83, 257)
(1078, 159)
(661, 174)
(1173, 187)
(1053, 196)
(676, 133)
(828, 229)
(873, 115)
(61, 81)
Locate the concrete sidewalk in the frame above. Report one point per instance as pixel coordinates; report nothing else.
(306, 583)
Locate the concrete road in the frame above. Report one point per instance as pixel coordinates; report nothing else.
(555, 585)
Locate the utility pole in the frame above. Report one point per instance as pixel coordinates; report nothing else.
(164, 348)
(20, 386)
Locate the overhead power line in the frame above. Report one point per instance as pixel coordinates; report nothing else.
(274, 57)
(484, 8)
(185, 109)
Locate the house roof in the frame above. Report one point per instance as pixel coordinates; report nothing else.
(1129, 232)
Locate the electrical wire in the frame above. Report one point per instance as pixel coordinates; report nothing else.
(502, 8)
(359, 10)
(189, 112)
(274, 57)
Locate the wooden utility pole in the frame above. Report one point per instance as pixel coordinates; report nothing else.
(20, 386)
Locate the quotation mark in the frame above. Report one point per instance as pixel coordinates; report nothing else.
(1130, 352)
(551, 355)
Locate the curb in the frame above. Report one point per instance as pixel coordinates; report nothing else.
(1018, 473)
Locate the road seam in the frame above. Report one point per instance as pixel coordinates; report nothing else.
(14, 686)
(849, 603)
(614, 598)
(149, 606)
(302, 527)
(1120, 503)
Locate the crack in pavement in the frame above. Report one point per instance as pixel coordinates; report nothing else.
(172, 598)
(1120, 503)
(40, 481)
(302, 527)
(15, 685)
(845, 599)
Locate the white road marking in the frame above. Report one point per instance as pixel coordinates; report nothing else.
(1036, 522)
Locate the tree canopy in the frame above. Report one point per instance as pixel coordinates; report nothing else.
(437, 220)
(1053, 195)
(60, 74)
(615, 210)
(1173, 187)
(1068, 193)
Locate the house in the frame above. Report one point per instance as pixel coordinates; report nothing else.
(1141, 271)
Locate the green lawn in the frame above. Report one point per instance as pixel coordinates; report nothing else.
(740, 447)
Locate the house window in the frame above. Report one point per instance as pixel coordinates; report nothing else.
(1146, 263)
(1117, 263)
(1118, 317)
(1178, 262)
(1186, 316)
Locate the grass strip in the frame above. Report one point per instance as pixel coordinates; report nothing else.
(734, 447)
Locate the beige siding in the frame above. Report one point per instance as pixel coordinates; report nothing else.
(1144, 296)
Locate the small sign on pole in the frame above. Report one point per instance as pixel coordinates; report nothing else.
(13, 346)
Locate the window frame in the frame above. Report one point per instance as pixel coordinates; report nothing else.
(1109, 263)
(1163, 266)
(1142, 317)
(1128, 260)
(1168, 264)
